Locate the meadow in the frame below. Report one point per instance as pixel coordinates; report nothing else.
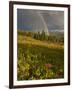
(39, 56)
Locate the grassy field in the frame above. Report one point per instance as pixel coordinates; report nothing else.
(39, 59)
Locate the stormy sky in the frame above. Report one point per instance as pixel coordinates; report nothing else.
(37, 20)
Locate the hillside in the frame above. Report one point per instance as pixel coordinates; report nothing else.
(38, 59)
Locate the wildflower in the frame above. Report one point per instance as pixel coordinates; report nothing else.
(48, 65)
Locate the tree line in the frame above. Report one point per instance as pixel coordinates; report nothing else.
(43, 36)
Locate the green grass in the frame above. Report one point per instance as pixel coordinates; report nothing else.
(39, 59)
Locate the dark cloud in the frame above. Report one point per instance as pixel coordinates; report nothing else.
(40, 19)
